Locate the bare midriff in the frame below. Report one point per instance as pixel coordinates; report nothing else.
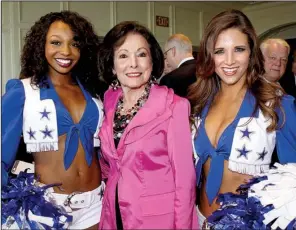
(79, 177)
(230, 182)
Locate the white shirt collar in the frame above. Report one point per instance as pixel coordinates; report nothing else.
(184, 60)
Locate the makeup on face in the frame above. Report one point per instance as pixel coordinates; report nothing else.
(61, 49)
(132, 62)
(231, 56)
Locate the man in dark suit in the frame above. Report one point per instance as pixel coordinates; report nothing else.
(288, 81)
(178, 54)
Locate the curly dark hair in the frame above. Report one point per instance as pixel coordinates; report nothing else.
(266, 94)
(116, 37)
(35, 65)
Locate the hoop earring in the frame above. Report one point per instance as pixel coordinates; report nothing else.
(115, 84)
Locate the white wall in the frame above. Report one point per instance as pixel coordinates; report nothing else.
(267, 15)
(189, 18)
(17, 17)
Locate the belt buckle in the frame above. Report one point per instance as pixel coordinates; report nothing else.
(67, 202)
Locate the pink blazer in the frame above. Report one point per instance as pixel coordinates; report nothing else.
(152, 165)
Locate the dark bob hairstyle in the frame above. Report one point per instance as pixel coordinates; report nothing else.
(116, 37)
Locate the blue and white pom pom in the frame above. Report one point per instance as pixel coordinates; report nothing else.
(266, 202)
(23, 206)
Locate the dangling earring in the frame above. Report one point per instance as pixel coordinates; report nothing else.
(152, 80)
(115, 84)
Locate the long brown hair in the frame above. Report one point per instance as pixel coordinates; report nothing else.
(266, 94)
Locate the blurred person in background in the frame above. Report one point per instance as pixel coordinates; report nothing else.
(178, 55)
(288, 81)
(275, 52)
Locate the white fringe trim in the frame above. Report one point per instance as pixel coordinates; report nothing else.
(42, 147)
(248, 168)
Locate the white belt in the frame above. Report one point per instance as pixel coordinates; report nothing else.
(78, 200)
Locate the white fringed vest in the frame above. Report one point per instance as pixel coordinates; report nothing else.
(36, 137)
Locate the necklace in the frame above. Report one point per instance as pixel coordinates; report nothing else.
(121, 121)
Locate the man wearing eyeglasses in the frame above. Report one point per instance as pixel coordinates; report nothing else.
(178, 54)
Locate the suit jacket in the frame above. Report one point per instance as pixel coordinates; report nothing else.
(180, 78)
(288, 84)
(152, 165)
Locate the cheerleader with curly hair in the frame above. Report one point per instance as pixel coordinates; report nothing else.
(55, 106)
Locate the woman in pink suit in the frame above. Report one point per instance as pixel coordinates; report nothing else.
(145, 138)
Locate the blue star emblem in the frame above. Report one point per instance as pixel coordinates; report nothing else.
(243, 152)
(31, 133)
(44, 113)
(262, 154)
(46, 132)
(246, 133)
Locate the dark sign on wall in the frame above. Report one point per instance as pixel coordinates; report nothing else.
(162, 21)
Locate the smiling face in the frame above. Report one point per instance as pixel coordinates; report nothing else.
(231, 56)
(275, 61)
(133, 62)
(61, 51)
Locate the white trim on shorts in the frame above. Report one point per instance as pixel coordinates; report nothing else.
(201, 219)
(85, 208)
